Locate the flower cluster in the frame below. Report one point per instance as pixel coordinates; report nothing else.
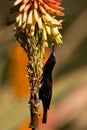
(39, 17)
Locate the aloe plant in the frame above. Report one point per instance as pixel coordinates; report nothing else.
(37, 28)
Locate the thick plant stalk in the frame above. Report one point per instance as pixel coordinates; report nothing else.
(35, 54)
(35, 57)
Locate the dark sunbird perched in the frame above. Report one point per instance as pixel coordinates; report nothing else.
(45, 91)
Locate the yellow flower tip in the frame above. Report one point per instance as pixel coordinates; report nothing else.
(44, 35)
(40, 23)
(45, 43)
(48, 30)
(55, 31)
(58, 40)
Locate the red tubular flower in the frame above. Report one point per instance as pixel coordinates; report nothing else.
(43, 13)
(52, 6)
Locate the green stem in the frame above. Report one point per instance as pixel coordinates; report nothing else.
(35, 56)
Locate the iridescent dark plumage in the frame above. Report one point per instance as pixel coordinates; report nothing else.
(45, 92)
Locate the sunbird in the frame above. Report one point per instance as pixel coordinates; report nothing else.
(45, 91)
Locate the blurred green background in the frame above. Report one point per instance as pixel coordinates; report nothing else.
(69, 102)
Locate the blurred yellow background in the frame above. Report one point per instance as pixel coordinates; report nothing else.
(68, 109)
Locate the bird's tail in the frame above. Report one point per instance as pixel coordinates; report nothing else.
(44, 116)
